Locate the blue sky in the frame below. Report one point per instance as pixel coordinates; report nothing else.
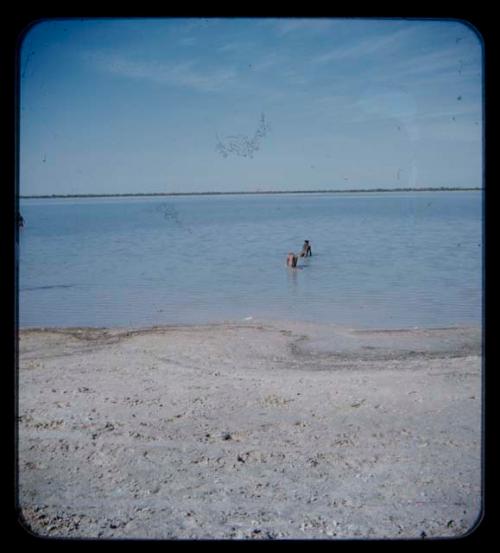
(194, 105)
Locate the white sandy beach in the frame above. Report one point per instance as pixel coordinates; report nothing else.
(249, 430)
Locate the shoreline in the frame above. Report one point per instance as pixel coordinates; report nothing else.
(322, 338)
(249, 430)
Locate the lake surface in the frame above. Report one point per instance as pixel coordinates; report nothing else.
(380, 260)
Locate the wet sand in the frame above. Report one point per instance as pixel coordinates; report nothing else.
(249, 430)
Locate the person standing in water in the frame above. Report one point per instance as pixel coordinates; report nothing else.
(306, 249)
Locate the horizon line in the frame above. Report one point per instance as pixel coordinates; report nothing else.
(216, 193)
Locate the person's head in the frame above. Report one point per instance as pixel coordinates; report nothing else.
(306, 241)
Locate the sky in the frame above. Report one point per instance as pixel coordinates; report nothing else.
(247, 104)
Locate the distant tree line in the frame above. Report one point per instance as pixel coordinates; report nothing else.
(325, 191)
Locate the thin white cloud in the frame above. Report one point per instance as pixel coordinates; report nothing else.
(271, 61)
(180, 74)
(455, 130)
(366, 47)
(286, 26)
(188, 41)
(435, 62)
(236, 47)
(198, 23)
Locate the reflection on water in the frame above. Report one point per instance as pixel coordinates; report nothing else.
(292, 279)
(386, 260)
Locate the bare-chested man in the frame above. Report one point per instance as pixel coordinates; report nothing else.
(306, 249)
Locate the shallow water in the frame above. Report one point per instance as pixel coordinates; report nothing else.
(383, 260)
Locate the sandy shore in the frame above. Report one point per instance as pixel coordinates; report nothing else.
(249, 430)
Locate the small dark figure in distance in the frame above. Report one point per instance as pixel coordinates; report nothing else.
(291, 260)
(20, 220)
(306, 249)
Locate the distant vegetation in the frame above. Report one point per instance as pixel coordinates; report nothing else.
(343, 191)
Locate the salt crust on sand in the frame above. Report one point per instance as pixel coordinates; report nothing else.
(249, 430)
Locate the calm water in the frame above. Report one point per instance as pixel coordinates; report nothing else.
(379, 260)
